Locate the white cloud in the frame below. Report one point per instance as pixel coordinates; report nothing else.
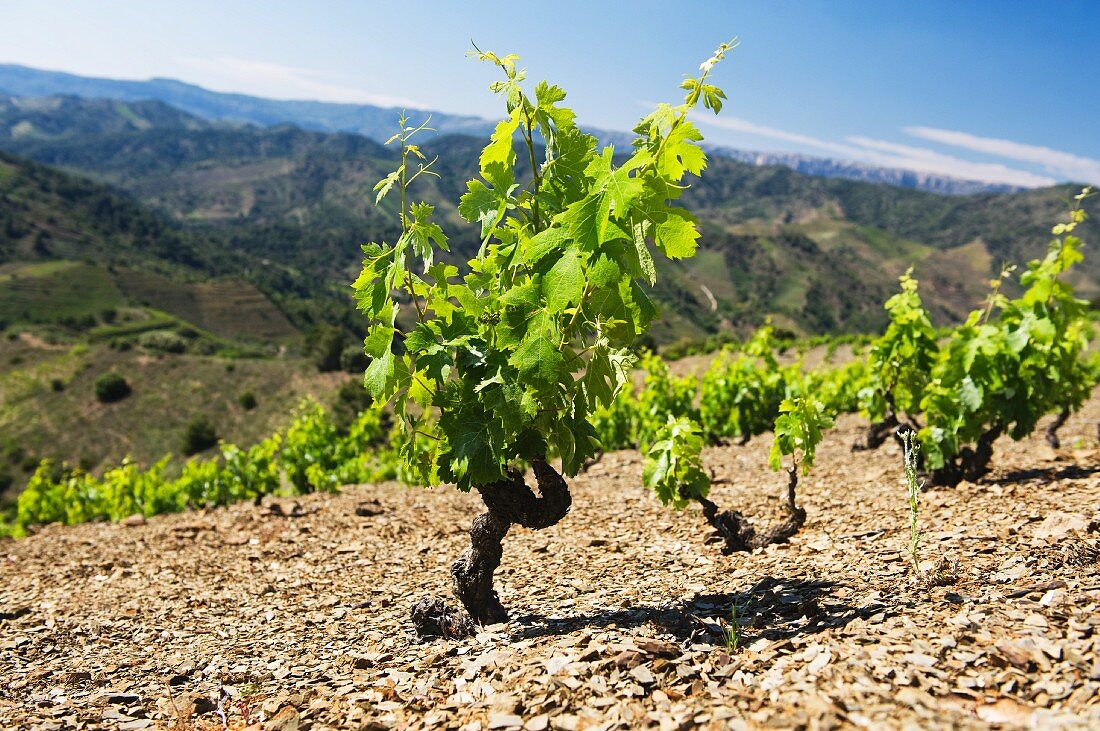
(1056, 162)
(285, 82)
(925, 160)
(736, 124)
(888, 154)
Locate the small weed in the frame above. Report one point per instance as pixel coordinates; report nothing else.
(945, 572)
(199, 435)
(182, 721)
(912, 450)
(734, 636)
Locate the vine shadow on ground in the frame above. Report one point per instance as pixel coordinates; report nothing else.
(1045, 474)
(775, 608)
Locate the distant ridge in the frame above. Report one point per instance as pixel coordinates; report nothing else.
(365, 119)
(815, 254)
(823, 167)
(377, 123)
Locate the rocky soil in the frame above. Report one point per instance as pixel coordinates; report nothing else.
(294, 614)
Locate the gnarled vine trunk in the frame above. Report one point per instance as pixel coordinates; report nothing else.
(877, 433)
(506, 501)
(739, 534)
(890, 426)
(1054, 426)
(970, 464)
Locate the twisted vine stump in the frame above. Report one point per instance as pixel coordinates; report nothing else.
(877, 433)
(970, 464)
(890, 426)
(1054, 426)
(506, 501)
(738, 534)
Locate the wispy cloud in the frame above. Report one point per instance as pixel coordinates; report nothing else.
(889, 154)
(736, 124)
(286, 82)
(930, 161)
(1056, 162)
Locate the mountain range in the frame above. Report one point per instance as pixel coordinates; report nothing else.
(815, 254)
(141, 238)
(378, 123)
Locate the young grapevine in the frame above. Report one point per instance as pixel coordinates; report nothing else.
(674, 471)
(503, 363)
(1011, 363)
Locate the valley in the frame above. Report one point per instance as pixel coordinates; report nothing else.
(138, 224)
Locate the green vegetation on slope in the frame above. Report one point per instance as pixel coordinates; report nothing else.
(48, 404)
(198, 275)
(302, 199)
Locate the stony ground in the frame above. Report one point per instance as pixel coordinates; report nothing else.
(293, 614)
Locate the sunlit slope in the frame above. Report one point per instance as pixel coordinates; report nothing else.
(815, 254)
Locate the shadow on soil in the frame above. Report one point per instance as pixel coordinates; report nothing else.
(772, 608)
(1049, 474)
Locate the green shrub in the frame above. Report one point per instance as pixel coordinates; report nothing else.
(324, 346)
(247, 400)
(199, 435)
(111, 387)
(164, 341)
(351, 400)
(28, 463)
(353, 360)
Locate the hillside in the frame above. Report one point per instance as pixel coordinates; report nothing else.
(815, 254)
(91, 282)
(844, 243)
(823, 167)
(74, 253)
(50, 215)
(55, 117)
(48, 406)
(365, 119)
(47, 214)
(377, 122)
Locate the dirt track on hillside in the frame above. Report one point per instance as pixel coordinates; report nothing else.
(293, 614)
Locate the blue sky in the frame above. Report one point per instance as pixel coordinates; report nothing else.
(1003, 91)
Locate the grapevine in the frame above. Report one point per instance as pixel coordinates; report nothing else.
(1011, 363)
(505, 361)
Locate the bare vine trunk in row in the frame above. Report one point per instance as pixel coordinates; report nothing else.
(1054, 426)
(738, 533)
(890, 426)
(506, 501)
(970, 464)
(877, 433)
